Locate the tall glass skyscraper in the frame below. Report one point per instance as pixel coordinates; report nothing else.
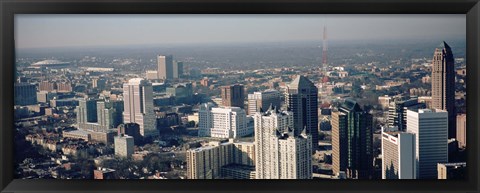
(138, 105)
(443, 84)
(302, 99)
(352, 141)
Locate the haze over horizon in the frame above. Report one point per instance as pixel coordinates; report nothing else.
(50, 31)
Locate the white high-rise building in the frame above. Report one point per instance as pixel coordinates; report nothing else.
(280, 153)
(263, 100)
(138, 106)
(124, 146)
(223, 122)
(430, 127)
(206, 162)
(398, 155)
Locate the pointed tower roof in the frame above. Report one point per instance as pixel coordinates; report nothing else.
(270, 108)
(304, 131)
(351, 105)
(445, 45)
(300, 82)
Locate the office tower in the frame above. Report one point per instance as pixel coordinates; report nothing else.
(124, 146)
(302, 100)
(262, 100)
(207, 162)
(339, 142)
(456, 171)
(118, 116)
(233, 95)
(25, 94)
(105, 115)
(223, 122)
(96, 118)
(352, 141)
(280, 152)
(398, 155)
(443, 84)
(462, 130)
(397, 112)
(99, 83)
(165, 67)
(177, 69)
(431, 135)
(204, 119)
(86, 112)
(138, 106)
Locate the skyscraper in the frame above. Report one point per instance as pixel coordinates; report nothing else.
(177, 69)
(301, 99)
(224, 122)
(431, 140)
(233, 95)
(281, 153)
(398, 155)
(206, 162)
(105, 115)
(443, 84)
(96, 117)
(165, 67)
(25, 94)
(397, 112)
(352, 141)
(339, 142)
(262, 100)
(86, 111)
(138, 105)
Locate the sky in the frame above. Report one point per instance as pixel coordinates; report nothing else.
(57, 30)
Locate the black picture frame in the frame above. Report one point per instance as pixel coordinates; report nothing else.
(7, 55)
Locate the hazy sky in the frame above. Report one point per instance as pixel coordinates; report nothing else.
(35, 31)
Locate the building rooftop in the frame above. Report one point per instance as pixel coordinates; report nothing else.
(105, 170)
(430, 111)
(300, 82)
(351, 105)
(136, 81)
(462, 164)
(77, 132)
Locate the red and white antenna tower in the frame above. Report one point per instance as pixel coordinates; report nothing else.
(324, 53)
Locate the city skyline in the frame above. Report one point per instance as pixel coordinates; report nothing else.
(277, 111)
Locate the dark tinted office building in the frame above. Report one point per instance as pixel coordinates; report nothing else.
(443, 84)
(302, 99)
(352, 141)
(25, 94)
(233, 95)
